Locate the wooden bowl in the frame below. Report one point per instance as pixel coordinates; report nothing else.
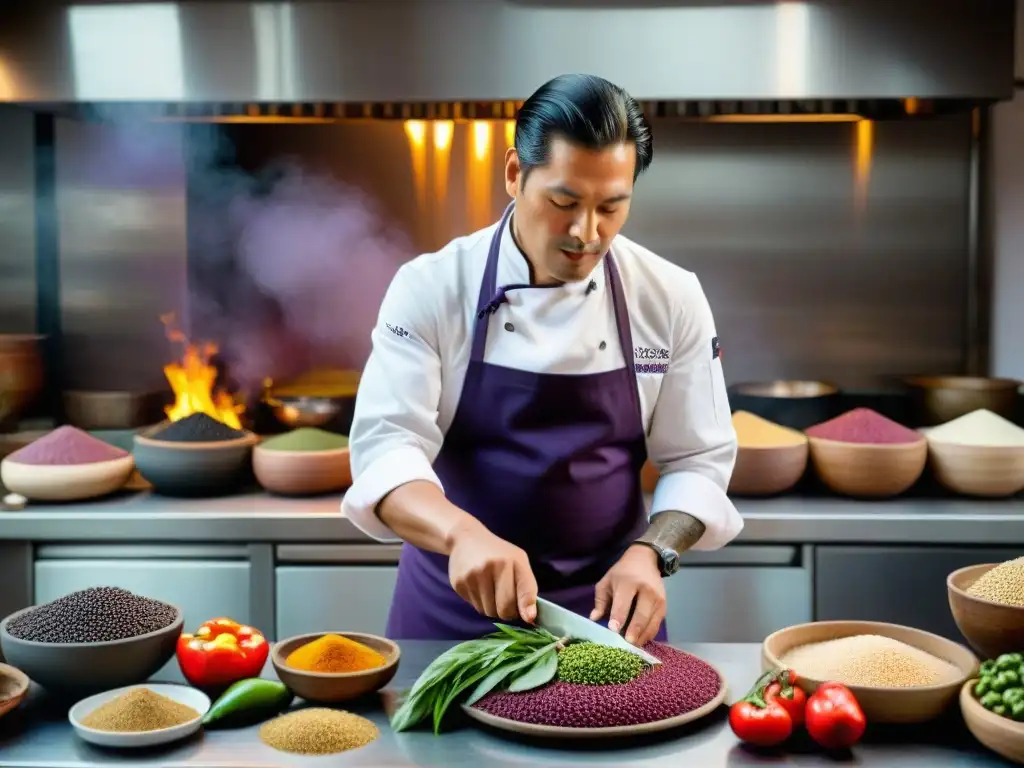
(1000, 734)
(938, 399)
(790, 403)
(193, 469)
(302, 473)
(332, 687)
(13, 688)
(978, 470)
(990, 628)
(881, 704)
(768, 471)
(868, 470)
(66, 482)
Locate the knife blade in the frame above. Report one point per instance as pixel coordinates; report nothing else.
(562, 622)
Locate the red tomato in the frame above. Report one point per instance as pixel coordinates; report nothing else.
(788, 696)
(834, 718)
(765, 726)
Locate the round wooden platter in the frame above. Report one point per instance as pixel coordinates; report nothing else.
(615, 731)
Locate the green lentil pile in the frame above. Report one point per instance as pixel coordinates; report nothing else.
(308, 439)
(1003, 584)
(594, 664)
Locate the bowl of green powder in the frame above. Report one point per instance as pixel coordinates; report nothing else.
(304, 462)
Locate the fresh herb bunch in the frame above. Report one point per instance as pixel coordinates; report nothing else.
(521, 659)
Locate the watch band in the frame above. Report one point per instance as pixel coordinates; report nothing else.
(668, 561)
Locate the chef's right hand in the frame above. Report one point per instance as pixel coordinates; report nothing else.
(492, 575)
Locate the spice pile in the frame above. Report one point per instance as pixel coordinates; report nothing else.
(64, 446)
(870, 660)
(680, 684)
(1003, 584)
(140, 709)
(334, 654)
(754, 432)
(317, 731)
(865, 427)
(595, 664)
(1000, 686)
(197, 428)
(96, 614)
(306, 439)
(979, 428)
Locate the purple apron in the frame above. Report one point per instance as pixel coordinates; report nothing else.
(548, 462)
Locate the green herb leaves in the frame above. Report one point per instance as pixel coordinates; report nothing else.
(522, 659)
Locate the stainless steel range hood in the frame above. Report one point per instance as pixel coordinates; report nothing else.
(361, 51)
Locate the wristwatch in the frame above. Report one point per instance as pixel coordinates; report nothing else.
(668, 559)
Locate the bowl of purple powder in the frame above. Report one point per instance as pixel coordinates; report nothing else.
(680, 690)
(195, 456)
(66, 464)
(863, 454)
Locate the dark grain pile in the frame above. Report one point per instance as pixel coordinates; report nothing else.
(197, 428)
(97, 614)
(680, 684)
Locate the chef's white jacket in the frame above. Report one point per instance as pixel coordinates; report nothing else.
(413, 379)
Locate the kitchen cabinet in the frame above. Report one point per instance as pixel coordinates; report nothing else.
(316, 598)
(739, 594)
(900, 585)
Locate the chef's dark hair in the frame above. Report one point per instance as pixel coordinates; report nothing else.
(585, 110)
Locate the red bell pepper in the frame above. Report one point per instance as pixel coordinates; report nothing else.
(758, 721)
(834, 718)
(221, 652)
(784, 691)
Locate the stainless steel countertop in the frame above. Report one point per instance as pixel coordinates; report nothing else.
(38, 734)
(258, 517)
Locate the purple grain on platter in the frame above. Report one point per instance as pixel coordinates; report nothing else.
(681, 684)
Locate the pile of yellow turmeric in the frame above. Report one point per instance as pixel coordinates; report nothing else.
(334, 653)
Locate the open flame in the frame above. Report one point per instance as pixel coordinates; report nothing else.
(193, 380)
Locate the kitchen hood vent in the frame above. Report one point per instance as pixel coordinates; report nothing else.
(472, 51)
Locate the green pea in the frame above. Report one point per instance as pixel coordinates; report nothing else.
(999, 709)
(1002, 682)
(1017, 711)
(1012, 695)
(991, 699)
(1006, 661)
(982, 687)
(1012, 678)
(987, 668)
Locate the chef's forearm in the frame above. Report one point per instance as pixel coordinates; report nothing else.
(674, 530)
(419, 513)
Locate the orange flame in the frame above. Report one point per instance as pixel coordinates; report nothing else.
(194, 382)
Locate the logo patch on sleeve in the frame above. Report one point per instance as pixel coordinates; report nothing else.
(716, 349)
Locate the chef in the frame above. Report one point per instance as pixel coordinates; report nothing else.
(519, 378)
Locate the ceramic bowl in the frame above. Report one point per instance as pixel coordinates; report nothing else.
(85, 668)
(66, 482)
(13, 688)
(1000, 734)
(193, 469)
(868, 470)
(978, 470)
(331, 687)
(768, 471)
(881, 704)
(190, 697)
(302, 473)
(990, 628)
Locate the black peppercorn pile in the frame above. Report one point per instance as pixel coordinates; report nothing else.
(94, 615)
(197, 428)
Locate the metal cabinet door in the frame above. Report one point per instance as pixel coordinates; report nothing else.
(318, 598)
(900, 585)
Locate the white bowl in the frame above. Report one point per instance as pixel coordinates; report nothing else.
(190, 697)
(66, 482)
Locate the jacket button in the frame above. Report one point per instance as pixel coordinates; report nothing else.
(509, 327)
(602, 345)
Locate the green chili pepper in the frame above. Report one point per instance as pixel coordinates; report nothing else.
(982, 687)
(991, 699)
(987, 668)
(1017, 711)
(999, 709)
(248, 701)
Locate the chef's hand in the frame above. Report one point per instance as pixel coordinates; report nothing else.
(636, 576)
(493, 575)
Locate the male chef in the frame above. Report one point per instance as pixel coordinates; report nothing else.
(518, 380)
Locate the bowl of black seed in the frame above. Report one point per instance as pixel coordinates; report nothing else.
(195, 456)
(91, 640)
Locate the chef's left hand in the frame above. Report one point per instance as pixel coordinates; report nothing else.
(635, 576)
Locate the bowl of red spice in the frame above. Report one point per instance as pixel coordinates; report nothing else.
(328, 667)
(66, 464)
(862, 453)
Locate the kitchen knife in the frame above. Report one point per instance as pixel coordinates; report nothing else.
(562, 622)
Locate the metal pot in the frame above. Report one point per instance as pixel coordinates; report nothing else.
(88, 409)
(791, 403)
(938, 399)
(21, 376)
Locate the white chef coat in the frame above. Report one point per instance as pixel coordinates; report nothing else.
(412, 382)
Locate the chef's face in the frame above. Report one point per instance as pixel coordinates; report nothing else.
(569, 211)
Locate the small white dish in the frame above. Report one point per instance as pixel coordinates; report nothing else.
(190, 697)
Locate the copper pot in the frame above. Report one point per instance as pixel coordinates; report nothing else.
(21, 375)
(938, 399)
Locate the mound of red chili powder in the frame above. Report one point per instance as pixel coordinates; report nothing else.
(681, 684)
(865, 426)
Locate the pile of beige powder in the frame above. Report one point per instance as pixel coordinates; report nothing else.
(1003, 584)
(870, 660)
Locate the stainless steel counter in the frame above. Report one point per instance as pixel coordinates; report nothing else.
(38, 734)
(258, 517)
